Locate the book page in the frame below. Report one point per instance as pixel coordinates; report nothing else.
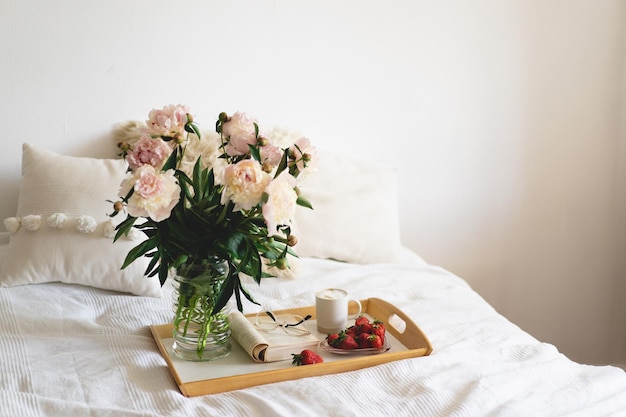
(246, 335)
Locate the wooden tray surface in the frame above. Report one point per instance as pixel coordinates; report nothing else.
(238, 370)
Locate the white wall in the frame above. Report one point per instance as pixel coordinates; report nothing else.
(505, 120)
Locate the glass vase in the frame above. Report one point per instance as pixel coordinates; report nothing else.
(198, 334)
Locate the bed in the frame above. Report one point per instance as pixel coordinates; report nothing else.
(79, 343)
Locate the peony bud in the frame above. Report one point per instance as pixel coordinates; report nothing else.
(266, 167)
(223, 117)
(292, 240)
(262, 141)
(179, 138)
(189, 118)
(124, 146)
(281, 263)
(118, 206)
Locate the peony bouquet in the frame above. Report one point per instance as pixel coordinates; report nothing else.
(230, 195)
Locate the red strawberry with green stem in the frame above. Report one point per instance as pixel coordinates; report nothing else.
(362, 325)
(365, 328)
(332, 339)
(347, 342)
(361, 320)
(363, 340)
(378, 328)
(352, 331)
(375, 341)
(306, 357)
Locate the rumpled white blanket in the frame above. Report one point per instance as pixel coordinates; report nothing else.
(75, 351)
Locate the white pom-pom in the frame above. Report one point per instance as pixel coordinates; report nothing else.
(12, 224)
(133, 234)
(32, 222)
(86, 224)
(109, 229)
(57, 220)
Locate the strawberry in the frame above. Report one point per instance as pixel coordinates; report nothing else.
(365, 328)
(375, 341)
(347, 342)
(363, 340)
(378, 328)
(352, 331)
(306, 357)
(361, 320)
(362, 325)
(332, 339)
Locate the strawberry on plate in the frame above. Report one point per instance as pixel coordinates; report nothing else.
(361, 320)
(347, 342)
(365, 328)
(378, 328)
(333, 339)
(362, 325)
(363, 340)
(352, 331)
(375, 341)
(306, 357)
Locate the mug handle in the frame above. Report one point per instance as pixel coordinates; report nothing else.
(358, 313)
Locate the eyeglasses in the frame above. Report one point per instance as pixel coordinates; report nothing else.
(293, 325)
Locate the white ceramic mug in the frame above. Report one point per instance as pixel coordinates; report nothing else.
(331, 310)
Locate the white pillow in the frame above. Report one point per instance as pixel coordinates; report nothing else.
(355, 217)
(78, 189)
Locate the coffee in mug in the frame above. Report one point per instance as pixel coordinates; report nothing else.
(331, 310)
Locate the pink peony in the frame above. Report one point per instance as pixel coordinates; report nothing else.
(168, 121)
(271, 155)
(155, 193)
(281, 202)
(240, 132)
(148, 151)
(244, 184)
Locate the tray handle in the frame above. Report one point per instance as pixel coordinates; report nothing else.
(398, 324)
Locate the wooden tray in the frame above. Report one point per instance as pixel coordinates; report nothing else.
(238, 370)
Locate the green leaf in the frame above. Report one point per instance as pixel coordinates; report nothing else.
(128, 195)
(245, 260)
(124, 227)
(163, 272)
(184, 189)
(238, 299)
(140, 250)
(197, 172)
(180, 260)
(210, 189)
(283, 163)
(257, 265)
(254, 151)
(172, 160)
(233, 243)
(226, 291)
(245, 292)
(152, 268)
(226, 209)
(191, 127)
(301, 201)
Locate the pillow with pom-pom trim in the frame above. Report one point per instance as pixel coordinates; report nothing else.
(62, 231)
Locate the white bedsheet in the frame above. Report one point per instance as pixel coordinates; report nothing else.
(76, 351)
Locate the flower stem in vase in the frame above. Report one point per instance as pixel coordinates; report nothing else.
(200, 335)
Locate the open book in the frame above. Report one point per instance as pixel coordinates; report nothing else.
(268, 346)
